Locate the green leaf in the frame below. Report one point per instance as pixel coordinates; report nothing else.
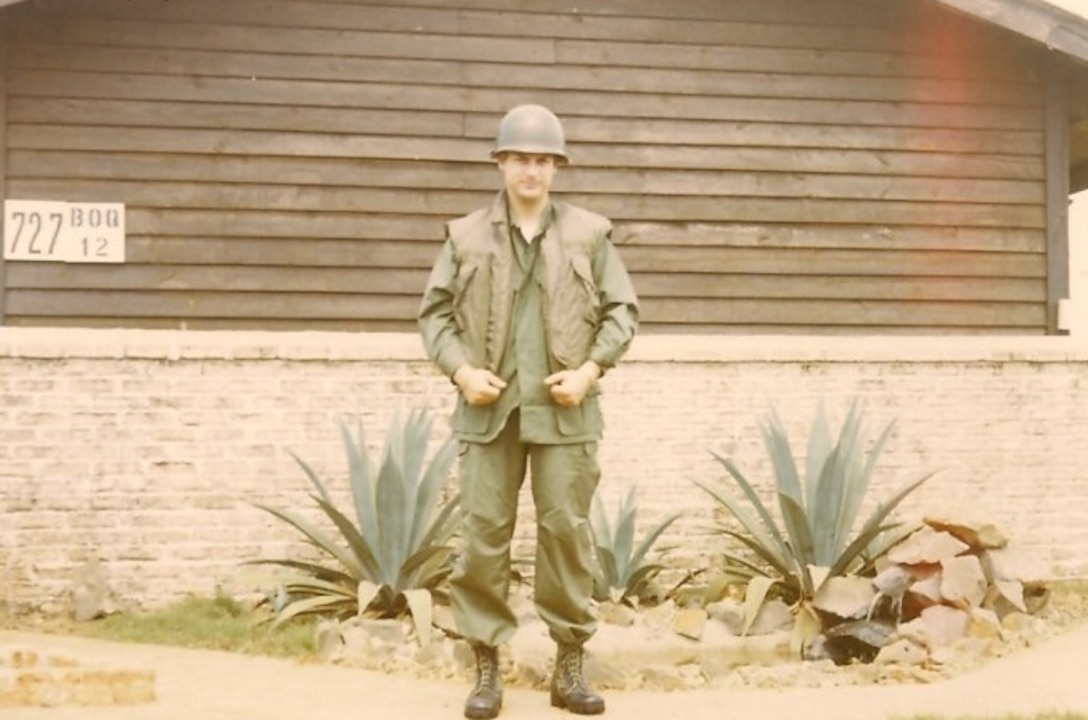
(754, 597)
(365, 593)
(322, 604)
(753, 499)
(317, 536)
(420, 608)
(313, 569)
(362, 491)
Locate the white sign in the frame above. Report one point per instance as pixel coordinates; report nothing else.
(48, 231)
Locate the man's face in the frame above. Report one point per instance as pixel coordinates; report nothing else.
(527, 177)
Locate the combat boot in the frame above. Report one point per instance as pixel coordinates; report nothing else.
(485, 700)
(569, 687)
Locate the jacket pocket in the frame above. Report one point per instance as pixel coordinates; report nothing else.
(470, 419)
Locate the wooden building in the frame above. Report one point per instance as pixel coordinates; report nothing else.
(771, 166)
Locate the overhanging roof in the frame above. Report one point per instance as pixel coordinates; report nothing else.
(1057, 29)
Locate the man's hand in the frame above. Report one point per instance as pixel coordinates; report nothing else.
(569, 387)
(479, 385)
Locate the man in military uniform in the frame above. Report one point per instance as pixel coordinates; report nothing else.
(527, 306)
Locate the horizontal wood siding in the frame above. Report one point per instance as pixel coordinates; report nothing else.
(770, 165)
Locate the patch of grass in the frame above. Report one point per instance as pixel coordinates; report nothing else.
(217, 623)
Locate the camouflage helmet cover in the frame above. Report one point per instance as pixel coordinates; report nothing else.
(531, 129)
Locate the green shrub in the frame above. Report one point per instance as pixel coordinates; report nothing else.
(392, 559)
(816, 537)
(622, 573)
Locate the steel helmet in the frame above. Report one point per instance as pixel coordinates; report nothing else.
(531, 129)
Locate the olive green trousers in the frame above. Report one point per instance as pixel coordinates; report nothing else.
(563, 479)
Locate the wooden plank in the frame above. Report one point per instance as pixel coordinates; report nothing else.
(273, 225)
(827, 13)
(284, 117)
(1011, 65)
(338, 173)
(375, 325)
(188, 305)
(395, 281)
(872, 313)
(377, 121)
(321, 171)
(633, 157)
(687, 81)
(1057, 195)
(446, 204)
(265, 278)
(512, 23)
(289, 41)
(827, 262)
(748, 196)
(285, 252)
(573, 102)
(648, 329)
(221, 304)
(806, 235)
(781, 286)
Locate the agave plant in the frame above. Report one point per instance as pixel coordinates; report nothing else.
(622, 573)
(819, 537)
(392, 558)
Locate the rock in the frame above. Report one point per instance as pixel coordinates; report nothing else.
(600, 673)
(672, 677)
(616, 614)
(963, 583)
(1011, 563)
(903, 652)
(327, 640)
(979, 535)
(773, 615)
(1005, 597)
(984, 624)
(728, 612)
(660, 616)
(856, 640)
(937, 625)
(922, 594)
(845, 597)
(91, 594)
(926, 546)
(690, 622)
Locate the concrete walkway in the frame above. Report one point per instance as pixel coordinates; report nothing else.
(204, 685)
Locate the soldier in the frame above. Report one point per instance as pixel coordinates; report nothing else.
(527, 306)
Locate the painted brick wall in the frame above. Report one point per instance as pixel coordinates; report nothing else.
(144, 449)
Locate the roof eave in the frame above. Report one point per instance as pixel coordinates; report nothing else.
(1057, 29)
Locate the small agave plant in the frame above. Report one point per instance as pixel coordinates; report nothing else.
(396, 552)
(622, 573)
(819, 537)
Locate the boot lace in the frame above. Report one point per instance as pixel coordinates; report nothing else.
(487, 671)
(570, 664)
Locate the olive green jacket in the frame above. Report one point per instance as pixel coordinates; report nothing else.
(589, 309)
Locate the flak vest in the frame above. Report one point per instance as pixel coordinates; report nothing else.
(483, 295)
